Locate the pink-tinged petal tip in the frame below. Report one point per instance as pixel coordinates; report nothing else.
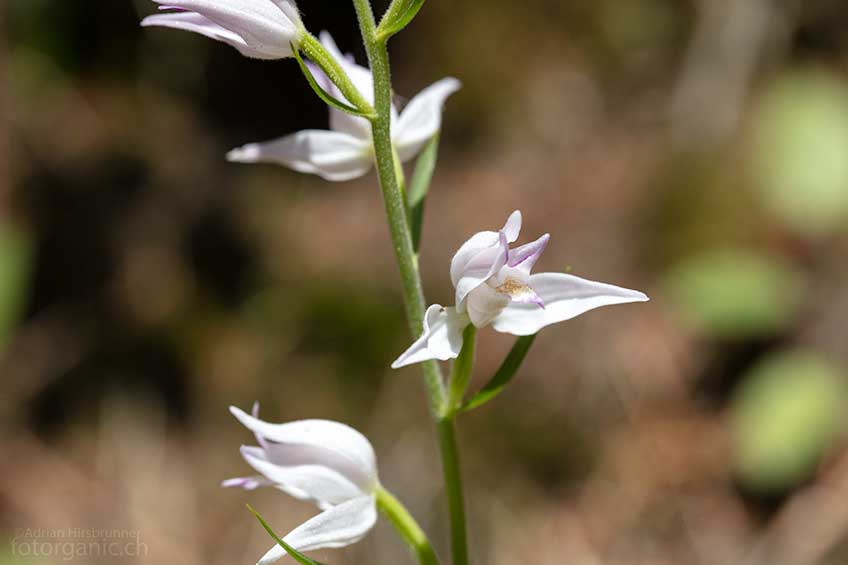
(525, 256)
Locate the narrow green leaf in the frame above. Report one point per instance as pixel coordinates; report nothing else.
(503, 375)
(419, 184)
(394, 11)
(461, 371)
(389, 28)
(323, 94)
(295, 554)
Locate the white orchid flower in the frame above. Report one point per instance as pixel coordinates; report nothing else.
(345, 151)
(262, 29)
(325, 462)
(494, 286)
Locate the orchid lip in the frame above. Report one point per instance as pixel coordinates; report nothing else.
(519, 292)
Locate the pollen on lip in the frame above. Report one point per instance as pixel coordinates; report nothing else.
(519, 291)
(513, 287)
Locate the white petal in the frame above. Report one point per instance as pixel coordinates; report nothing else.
(342, 122)
(484, 304)
(318, 483)
(262, 24)
(289, 8)
(318, 442)
(191, 21)
(442, 337)
(481, 257)
(331, 155)
(512, 227)
(422, 117)
(464, 259)
(339, 526)
(565, 296)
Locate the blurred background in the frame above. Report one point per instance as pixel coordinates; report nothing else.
(696, 150)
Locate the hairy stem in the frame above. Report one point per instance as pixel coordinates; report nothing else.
(396, 212)
(393, 199)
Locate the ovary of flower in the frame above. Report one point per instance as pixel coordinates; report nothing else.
(345, 151)
(261, 29)
(494, 286)
(325, 462)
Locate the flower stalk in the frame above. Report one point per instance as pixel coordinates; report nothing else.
(393, 199)
(401, 234)
(406, 526)
(316, 52)
(453, 489)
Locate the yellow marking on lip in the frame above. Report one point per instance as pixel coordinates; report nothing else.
(512, 287)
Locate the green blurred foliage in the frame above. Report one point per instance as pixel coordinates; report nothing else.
(699, 204)
(800, 149)
(641, 31)
(787, 414)
(15, 262)
(735, 293)
(351, 329)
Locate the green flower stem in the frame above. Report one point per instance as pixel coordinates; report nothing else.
(460, 376)
(313, 49)
(461, 373)
(406, 526)
(453, 490)
(413, 294)
(393, 197)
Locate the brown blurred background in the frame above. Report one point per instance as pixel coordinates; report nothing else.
(696, 150)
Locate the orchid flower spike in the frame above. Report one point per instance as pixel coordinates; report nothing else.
(262, 29)
(346, 152)
(325, 462)
(494, 286)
